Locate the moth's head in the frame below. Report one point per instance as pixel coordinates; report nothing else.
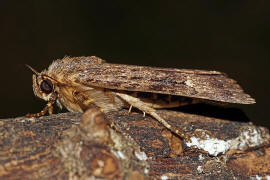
(43, 86)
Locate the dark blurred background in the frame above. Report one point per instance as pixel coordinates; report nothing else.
(228, 36)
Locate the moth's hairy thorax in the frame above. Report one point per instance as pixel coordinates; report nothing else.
(77, 97)
(68, 69)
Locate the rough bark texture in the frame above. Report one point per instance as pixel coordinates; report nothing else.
(129, 146)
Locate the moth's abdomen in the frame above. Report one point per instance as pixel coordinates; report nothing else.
(156, 100)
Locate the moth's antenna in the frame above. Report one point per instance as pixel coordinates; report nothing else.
(44, 75)
(32, 69)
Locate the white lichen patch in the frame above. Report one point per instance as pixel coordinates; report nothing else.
(213, 146)
(164, 177)
(121, 154)
(201, 157)
(250, 137)
(189, 83)
(200, 169)
(257, 177)
(141, 155)
(146, 170)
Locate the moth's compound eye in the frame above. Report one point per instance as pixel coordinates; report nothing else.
(46, 86)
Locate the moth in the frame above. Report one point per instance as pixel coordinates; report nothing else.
(79, 83)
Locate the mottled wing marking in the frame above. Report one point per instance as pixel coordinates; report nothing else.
(210, 85)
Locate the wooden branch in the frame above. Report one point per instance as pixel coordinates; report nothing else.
(122, 145)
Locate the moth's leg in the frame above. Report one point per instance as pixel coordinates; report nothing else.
(50, 107)
(47, 108)
(101, 109)
(130, 107)
(83, 101)
(143, 114)
(129, 110)
(136, 102)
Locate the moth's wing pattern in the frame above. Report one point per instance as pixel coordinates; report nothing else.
(210, 85)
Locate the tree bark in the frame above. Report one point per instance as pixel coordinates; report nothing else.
(120, 145)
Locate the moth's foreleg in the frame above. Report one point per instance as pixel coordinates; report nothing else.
(50, 107)
(130, 108)
(47, 108)
(136, 102)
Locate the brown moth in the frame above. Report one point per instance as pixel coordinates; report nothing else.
(79, 83)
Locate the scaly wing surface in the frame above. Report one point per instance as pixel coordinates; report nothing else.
(210, 85)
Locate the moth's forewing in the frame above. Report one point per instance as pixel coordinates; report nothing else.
(210, 85)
